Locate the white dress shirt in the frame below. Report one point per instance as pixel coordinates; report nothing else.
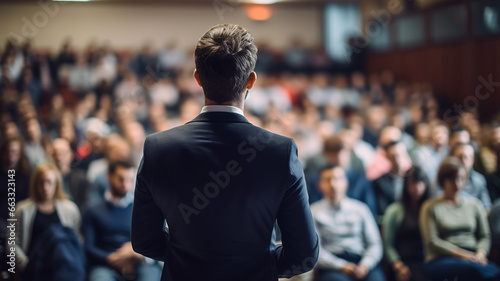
(222, 108)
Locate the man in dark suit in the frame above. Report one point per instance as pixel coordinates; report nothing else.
(208, 193)
(389, 187)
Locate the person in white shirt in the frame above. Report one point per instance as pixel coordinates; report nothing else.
(350, 243)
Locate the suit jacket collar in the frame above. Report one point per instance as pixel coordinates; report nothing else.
(219, 117)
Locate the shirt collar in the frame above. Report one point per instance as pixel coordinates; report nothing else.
(222, 108)
(123, 202)
(335, 207)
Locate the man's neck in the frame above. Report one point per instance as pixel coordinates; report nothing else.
(336, 201)
(64, 170)
(238, 103)
(438, 147)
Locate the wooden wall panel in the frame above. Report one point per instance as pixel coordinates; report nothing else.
(453, 69)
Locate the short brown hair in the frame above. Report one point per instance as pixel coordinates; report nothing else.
(225, 56)
(333, 144)
(35, 181)
(449, 169)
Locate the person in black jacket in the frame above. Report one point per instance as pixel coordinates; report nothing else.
(389, 187)
(208, 193)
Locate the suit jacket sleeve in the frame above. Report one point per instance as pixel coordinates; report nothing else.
(147, 235)
(300, 248)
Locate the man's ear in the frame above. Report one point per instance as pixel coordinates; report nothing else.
(196, 77)
(251, 80)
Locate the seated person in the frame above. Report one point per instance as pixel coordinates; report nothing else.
(401, 234)
(106, 229)
(116, 149)
(455, 231)
(493, 179)
(475, 185)
(389, 187)
(487, 156)
(459, 135)
(13, 157)
(430, 156)
(336, 153)
(350, 244)
(75, 182)
(47, 206)
(494, 220)
(380, 164)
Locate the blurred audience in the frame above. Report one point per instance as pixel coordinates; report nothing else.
(106, 229)
(83, 109)
(335, 153)
(455, 230)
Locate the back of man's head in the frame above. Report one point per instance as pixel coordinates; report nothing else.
(225, 57)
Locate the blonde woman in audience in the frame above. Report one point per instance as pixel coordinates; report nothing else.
(400, 231)
(455, 231)
(46, 206)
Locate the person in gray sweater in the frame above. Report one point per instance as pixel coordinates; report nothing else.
(455, 231)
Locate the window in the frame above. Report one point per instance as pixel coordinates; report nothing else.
(380, 41)
(486, 17)
(449, 23)
(410, 30)
(342, 22)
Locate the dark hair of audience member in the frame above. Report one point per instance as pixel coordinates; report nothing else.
(113, 166)
(333, 144)
(457, 129)
(449, 169)
(225, 56)
(454, 149)
(390, 144)
(412, 176)
(23, 165)
(330, 167)
(36, 179)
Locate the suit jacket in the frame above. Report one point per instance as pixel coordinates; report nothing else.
(208, 194)
(385, 193)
